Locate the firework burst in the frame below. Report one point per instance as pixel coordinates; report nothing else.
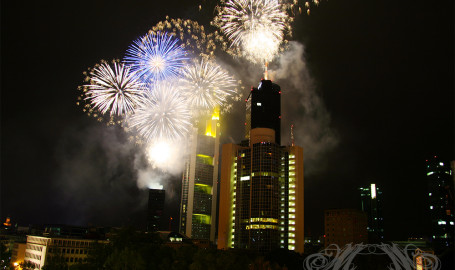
(156, 57)
(112, 88)
(205, 85)
(162, 115)
(256, 28)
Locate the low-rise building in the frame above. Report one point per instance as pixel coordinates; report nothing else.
(40, 249)
(345, 226)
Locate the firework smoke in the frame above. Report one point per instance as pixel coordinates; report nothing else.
(304, 108)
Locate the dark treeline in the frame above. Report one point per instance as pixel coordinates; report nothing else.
(132, 250)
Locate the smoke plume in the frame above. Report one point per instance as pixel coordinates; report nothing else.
(303, 107)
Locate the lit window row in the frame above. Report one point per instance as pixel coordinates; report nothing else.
(261, 227)
(271, 220)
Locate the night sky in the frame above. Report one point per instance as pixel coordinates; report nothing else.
(371, 100)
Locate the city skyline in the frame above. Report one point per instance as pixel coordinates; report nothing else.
(383, 76)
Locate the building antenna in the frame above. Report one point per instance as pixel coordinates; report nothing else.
(292, 135)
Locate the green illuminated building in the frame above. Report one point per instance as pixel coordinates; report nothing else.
(199, 182)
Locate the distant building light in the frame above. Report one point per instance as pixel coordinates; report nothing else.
(442, 222)
(373, 191)
(441, 164)
(451, 223)
(245, 178)
(430, 173)
(259, 104)
(431, 207)
(429, 194)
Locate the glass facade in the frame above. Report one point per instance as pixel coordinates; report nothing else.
(371, 204)
(264, 213)
(199, 181)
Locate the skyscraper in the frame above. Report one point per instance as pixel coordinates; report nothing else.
(371, 204)
(440, 194)
(261, 190)
(199, 181)
(155, 209)
(263, 108)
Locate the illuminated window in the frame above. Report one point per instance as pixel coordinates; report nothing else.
(259, 104)
(245, 178)
(431, 207)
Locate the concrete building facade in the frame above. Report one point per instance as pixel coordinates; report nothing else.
(345, 226)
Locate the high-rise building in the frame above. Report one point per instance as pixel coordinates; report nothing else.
(261, 190)
(371, 204)
(200, 180)
(345, 226)
(441, 201)
(263, 109)
(155, 209)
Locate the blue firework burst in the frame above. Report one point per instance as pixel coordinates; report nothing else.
(156, 57)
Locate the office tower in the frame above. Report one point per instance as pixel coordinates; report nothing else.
(261, 190)
(371, 204)
(441, 203)
(155, 209)
(263, 109)
(199, 181)
(345, 226)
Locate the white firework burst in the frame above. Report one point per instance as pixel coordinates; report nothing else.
(113, 88)
(256, 27)
(205, 85)
(163, 114)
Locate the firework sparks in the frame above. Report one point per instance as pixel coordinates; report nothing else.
(163, 114)
(156, 57)
(113, 88)
(296, 7)
(205, 85)
(255, 27)
(193, 36)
